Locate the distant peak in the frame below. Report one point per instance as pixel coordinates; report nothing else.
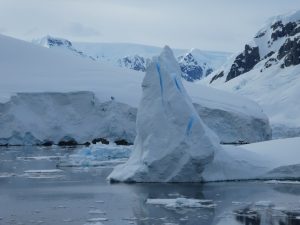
(50, 41)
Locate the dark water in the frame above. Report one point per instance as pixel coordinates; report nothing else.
(69, 197)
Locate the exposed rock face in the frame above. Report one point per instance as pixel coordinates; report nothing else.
(190, 68)
(277, 43)
(133, 62)
(291, 51)
(281, 30)
(53, 42)
(244, 62)
(217, 76)
(172, 143)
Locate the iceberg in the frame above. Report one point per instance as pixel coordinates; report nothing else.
(172, 143)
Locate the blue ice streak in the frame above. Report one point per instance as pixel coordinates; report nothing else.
(189, 126)
(160, 78)
(177, 85)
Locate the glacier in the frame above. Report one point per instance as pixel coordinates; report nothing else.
(94, 94)
(172, 144)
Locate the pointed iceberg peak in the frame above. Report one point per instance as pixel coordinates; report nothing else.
(172, 142)
(167, 51)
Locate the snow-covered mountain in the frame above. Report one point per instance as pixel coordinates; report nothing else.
(51, 42)
(53, 95)
(267, 70)
(195, 64)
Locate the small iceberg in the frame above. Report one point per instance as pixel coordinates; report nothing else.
(182, 203)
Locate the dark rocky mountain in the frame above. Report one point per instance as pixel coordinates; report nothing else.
(276, 44)
(192, 69)
(267, 71)
(135, 62)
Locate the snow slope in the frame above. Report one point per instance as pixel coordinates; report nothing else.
(276, 159)
(39, 69)
(27, 68)
(267, 71)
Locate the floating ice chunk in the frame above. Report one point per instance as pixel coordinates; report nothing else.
(96, 211)
(99, 201)
(282, 182)
(172, 142)
(98, 219)
(44, 171)
(264, 203)
(43, 174)
(6, 175)
(98, 156)
(40, 158)
(182, 203)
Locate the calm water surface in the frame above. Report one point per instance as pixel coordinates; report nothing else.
(76, 196)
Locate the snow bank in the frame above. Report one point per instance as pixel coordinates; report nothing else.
(172, 143)
(276, 159)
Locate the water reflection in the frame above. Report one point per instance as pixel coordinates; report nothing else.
(268, 216)
(70, 198)
(248, 217)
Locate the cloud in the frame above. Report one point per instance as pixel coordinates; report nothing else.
(80, 30)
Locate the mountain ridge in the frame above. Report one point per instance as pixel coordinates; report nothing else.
(195, 63)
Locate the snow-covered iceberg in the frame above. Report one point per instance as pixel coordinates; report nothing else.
(172, 144)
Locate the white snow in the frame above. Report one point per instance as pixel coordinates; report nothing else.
(280, 152)
(172, 143)
(182, 203)
(265, 160)
(49, 70)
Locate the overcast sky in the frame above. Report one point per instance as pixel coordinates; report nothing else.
(222, 25)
